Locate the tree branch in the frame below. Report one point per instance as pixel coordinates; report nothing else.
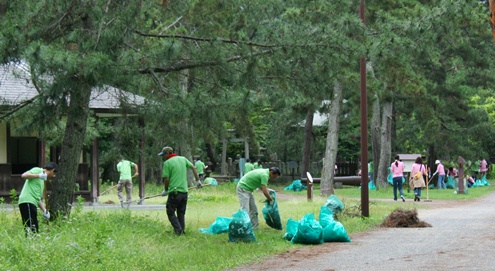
(184, 65)
(205, 39)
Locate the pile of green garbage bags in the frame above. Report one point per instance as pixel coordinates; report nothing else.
(308, 230)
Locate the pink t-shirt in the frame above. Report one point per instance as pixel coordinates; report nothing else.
(418, 167)
(441, 169)
(483, 166)
(398, 171)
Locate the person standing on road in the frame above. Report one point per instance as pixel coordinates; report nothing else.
(416, 180)
(175, 181)
(32, 194)
(125, 180)
(200, 167)
(441, 175)
(397, 170)
(257, 178)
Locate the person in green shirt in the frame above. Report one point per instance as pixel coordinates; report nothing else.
(175, 180)
(248, 166)
(125, 180)
(200, 167)
(257, 178)
(32, 193)
(258, 164)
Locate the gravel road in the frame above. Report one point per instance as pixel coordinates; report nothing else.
(462, 237)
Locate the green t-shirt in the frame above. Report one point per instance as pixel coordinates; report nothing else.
(32, 191)
(257, 165)
(175, 168)
(124, 167)
(200, 167)
(248, 167)
(255, 179)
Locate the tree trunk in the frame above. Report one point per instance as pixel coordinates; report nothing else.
(332, 144)
(185, 130)
(210, 152)
(62, 195)
(375, 137)
(308, 134)
(385, 146)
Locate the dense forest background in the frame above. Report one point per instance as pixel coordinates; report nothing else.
(212, 70)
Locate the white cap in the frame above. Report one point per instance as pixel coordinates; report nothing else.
(437, 162)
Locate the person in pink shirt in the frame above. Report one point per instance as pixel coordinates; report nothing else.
(483, 168)
(441, 175)
(397, 169)
(416, 181)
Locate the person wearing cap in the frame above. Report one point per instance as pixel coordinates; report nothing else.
(257, 178)
(175, 181)
(32, 193)
(125, 180)
(441, 175)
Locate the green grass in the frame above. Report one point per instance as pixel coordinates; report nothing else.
(144, 240)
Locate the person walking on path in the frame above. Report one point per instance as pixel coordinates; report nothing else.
(483, 168)
(32, 193)
(175, 181)
(441, 175)
(416, 180)
(257, 178)
(397, 169)
(125, 180)
(200, 167)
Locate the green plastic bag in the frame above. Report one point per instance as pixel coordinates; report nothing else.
(240, 228)
(309, 231)
(220, 225)
(296, 185)
(335, 232)
(326, 216)
(291, 228)
(450, 182)
(271, 213)
(334, 204)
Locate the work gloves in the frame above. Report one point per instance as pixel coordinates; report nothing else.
(43, 176)
(46, 215)
(164, 193)
(199, 185)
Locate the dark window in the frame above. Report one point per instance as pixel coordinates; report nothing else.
(24, 153)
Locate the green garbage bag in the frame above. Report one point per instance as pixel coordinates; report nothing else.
(291, 228)
(450, 182)
(326, 216)
(220, 225)
(296, 185)
(335, 232)
(240, 228)
(210, 181)
(309, 231)
(271, 213)
(334, 204)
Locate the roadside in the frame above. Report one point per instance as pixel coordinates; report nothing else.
(462, 237)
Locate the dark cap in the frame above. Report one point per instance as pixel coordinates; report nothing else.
(166, 150)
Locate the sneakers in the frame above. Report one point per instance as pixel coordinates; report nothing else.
(403, 199)
(122, 204)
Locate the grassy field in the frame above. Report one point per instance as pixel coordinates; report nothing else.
(123, 239)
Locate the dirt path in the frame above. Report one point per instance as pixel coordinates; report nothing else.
(462, 237)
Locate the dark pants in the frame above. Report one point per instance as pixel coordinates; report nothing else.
(177, 203)
(29, 214)
(397, 181)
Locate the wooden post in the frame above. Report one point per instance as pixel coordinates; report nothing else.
(460, 174)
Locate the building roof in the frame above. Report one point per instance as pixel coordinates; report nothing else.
(16, 87)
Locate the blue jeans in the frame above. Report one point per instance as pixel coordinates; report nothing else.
(397, 181)
(417, 192)
(441, 182)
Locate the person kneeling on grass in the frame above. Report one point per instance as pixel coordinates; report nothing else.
(31, 195)
(257, 178)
